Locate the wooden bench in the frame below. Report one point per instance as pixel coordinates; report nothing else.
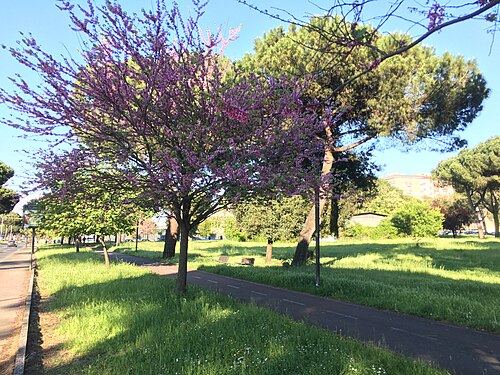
(247, 261)
(244, 261)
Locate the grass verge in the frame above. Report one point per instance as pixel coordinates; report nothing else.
(124, 320)
(451, 280)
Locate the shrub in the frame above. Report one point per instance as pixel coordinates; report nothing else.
(418, 220)
(384, 230)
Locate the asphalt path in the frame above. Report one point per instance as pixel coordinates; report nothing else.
(14, 278)
(457, 349)
(6, 252)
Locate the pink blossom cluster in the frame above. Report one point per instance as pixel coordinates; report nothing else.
(435, 15)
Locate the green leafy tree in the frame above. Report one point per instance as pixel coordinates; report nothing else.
(487, 164)
(8, 197)
(87, 203)
(457, 171)
(413, 96)
(457, 213)
(352, 183)
(418, 220)
(221, 224)
(275, 220)
(387, 199)
(10, 223)
(475, 173)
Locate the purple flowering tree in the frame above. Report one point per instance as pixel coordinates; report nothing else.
(149, 103)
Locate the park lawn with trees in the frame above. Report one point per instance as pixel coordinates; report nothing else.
(150, 103)
(161, 105)
(475, 173)
(409, 98)
(127, 320)
(453, 280)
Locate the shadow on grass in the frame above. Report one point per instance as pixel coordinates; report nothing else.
(484, 256)
(138, 325)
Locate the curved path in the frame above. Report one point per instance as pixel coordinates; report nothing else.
(457, 349)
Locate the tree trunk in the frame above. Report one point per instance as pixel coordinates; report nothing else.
(69, 240)
(300, 256)
(269, 251)
(181, 282)
(477, 215)
(171, 237)
(77, 243)
(118, 239)
(497, 223)
(492, 204)
(62, 241)
(105, 250)
(136, 235)
(334, 217)
(480, 224)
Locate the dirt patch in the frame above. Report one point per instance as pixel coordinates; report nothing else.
(45, 350)
(8, 354)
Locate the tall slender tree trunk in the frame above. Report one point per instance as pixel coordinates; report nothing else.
(300, 256)
(62, 241)
(479, 224)
(269, 251)
(105, 250)
(78, 241)
(334, 217)
(136, 235)
(483, 222)
(118, 239)
(493, 207)
(181, 282)
(477, 217)
(496, 220)
(171, 237)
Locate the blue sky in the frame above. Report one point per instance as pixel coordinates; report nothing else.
(50, 27)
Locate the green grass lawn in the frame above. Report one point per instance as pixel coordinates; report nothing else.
(453, 280)
(125, 320)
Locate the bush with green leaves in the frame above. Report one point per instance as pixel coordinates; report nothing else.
(275, 220)
(218, 224)
(382, 231)
(418, 220)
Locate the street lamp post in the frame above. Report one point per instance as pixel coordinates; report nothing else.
(317, 223)
(33, 228)
(30, 220)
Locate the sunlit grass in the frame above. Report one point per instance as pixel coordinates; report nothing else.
(454, 280)
(124, 320)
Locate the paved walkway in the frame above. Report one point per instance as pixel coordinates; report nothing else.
(459, 350)
(14, 280)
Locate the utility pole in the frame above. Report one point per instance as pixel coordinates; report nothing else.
(317, 223)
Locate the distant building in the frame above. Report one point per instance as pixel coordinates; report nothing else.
(367, 219)
(419, 186)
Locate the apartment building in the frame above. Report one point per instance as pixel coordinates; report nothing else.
(420, 186)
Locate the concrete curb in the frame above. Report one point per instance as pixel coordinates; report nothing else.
(23, 337)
